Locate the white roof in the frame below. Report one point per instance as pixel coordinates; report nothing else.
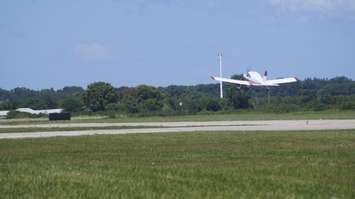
(45, 111)
(27, 110)
(4, 113)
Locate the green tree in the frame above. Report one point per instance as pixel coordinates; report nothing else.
(145, 92)
(152, 104)
(98, 95)
(150, 98)
(238, 98)
(213, 105)
(71, 104)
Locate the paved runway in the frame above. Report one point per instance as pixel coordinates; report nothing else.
(173, 127)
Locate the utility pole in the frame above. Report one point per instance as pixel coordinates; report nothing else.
(220, 75)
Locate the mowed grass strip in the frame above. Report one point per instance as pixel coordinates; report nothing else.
(49, 129)
(235, 116)
(318, 164)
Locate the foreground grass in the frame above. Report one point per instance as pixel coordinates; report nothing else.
(235, 116)
(182, 165)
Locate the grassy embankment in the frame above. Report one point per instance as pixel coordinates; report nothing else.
(317, 164)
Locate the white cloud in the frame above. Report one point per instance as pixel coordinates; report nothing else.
(92, 51)
(315, 5)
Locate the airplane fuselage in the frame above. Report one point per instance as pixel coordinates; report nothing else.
(256, 79)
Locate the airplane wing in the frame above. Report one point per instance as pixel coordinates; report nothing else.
(233, 81)
(282, 80)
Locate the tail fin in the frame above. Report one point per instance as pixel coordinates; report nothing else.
(265, 75)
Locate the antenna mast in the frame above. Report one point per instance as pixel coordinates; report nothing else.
(220, 75)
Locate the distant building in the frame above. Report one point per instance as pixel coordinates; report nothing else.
(4, 113)
(31, 111)
(36, 112)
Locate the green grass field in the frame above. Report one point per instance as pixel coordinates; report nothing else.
(319, 164)
(241, 115)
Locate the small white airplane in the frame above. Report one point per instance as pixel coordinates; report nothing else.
(254, 78)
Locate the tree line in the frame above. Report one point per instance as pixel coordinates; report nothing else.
(311, 94)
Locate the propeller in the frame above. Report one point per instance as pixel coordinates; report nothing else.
(246, 74)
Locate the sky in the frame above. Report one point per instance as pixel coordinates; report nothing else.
(52, 44)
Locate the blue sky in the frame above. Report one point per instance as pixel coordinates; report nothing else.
(51, 44)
